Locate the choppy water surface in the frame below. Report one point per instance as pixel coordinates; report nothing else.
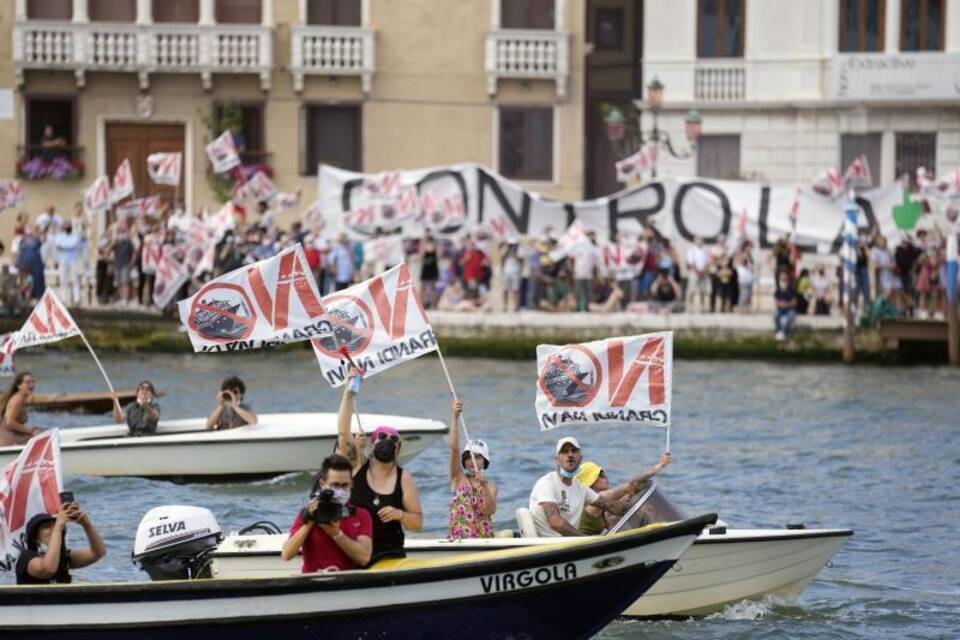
(874, 449)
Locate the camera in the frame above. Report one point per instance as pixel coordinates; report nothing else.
(328, 510)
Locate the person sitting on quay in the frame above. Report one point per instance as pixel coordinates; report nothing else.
(557, 499)
(786, 312)
(52, 564)
(231, 412)
(14, 429)
(142, 414)
(380, 485)
(342, 544)
(474, 498)
(594, 519)
(665, 296)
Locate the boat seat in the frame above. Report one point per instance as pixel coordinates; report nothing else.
(525, 523)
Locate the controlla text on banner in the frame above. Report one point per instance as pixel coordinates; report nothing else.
(617, 380)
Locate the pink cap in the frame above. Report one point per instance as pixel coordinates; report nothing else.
(387, 431)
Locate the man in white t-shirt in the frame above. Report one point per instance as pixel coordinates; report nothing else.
(557, 499)
(698, 282)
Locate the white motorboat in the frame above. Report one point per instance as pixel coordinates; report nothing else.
(722, 567)
(184, 450)
(512, 593)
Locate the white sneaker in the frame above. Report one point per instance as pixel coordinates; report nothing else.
(780, 336)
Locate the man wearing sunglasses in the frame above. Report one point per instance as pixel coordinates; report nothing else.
(340, 545)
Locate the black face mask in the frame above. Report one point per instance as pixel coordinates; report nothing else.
(385, 450)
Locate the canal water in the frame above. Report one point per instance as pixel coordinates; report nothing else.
(873, 449)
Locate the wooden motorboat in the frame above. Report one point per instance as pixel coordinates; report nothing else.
(83, 401)
(567, 590)
(183, 450)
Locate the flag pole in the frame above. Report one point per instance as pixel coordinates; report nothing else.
(103, 372)
(356, 405)
(668, 439)
(453, 392)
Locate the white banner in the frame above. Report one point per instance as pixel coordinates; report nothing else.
(6, 355)
(170, 276)
(901, 77)
(464, 197)
(223, 153)
(380, 322)
(49, 322)
(122, 182)
(264, 304)
(165, 168)
(617, 380)
(29, 485)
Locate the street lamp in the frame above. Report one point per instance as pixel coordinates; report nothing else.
(617, 126)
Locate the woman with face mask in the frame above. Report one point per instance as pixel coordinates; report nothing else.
(381, 487)
(474, 498)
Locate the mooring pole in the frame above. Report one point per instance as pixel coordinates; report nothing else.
(849, 276)
(953, 330)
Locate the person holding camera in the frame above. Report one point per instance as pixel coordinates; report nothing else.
(51, 563)
(142, 414)
(231, 412)
(331, 533)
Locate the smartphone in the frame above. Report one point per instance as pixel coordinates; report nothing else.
(66, 497)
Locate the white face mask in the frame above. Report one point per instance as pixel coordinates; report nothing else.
(341, 496)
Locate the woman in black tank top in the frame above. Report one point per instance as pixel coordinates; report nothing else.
(392, 510)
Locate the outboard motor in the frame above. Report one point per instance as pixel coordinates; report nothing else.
(173, 542)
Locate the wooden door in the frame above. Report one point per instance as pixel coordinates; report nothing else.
(136, 142)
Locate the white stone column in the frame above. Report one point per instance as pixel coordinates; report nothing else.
(495, 14)
(559, 15)
(20, 11)
(952, 31)
(207, 13)
(266, 13)
(144, 11)
(888, 156)
(80, 13)
(891, 37)
(364, 14)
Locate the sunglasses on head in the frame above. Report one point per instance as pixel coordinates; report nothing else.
(391, 437)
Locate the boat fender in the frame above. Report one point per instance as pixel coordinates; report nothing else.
(793, 526)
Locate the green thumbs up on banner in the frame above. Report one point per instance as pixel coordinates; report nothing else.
(906, 215)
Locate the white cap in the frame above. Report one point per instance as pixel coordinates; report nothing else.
(478, 448)
(567, 440)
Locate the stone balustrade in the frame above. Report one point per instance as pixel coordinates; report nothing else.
(332, 51)
(528, 54)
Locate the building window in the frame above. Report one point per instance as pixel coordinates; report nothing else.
(916, 150)
(250, 139)
(861, 25)
(854, 145)
(239, 11)
(333, 137)
(608, 30)
(526, 143)
(527, 14)
(49, 149)
(719, 157)
(720, 28)
(50, 9)
(182, 11)
(112, 10)
(921, 25)
(344, 13)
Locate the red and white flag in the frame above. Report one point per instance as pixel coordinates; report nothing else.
(222, 153)
(636, 165)
(573, 237)
(259, 187)
(11, 193)
(97, 195)
(857, 175)
(170, 276)
(6, 354)
(30, 485)
(616, 380)
(264, 304)
(380, 322)
(122, 182)
(49, 322)
(742, 223)
(794, 210)
(165, 168)
(149, 206)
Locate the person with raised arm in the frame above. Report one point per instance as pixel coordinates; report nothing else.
(474, 498)
(231, 412)
(51, 564)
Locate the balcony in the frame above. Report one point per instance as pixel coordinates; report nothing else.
(143, 49)
(42, 162)
(332, 51)
(528, 54)
(720, 80)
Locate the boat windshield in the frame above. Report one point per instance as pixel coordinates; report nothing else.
(650, 506)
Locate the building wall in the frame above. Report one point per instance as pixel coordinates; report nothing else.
(428, 105)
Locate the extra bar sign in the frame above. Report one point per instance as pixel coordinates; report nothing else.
(617, 380)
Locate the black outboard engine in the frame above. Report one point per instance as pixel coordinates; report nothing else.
(173, 542)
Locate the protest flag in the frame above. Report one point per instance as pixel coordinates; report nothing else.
(11, 193)
(254, 307)
(50, 321)
(165, 168)
(6, 355)
(222, 153)
(122, 182)
(97, 195)
(29, 485)
(616, 380)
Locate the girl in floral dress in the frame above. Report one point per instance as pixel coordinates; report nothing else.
(474, 498)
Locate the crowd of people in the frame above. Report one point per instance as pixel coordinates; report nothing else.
(475, 273)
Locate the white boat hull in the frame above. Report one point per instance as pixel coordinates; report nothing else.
(717, 570)
(184, 449)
